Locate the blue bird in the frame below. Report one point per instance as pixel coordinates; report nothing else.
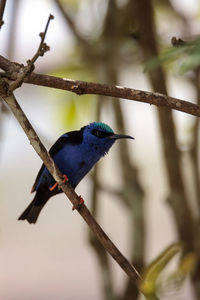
(75, 153)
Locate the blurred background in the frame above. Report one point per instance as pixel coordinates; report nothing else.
(145, 193)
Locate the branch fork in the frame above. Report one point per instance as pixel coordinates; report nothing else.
(20, 75)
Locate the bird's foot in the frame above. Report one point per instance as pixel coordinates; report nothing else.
(65, 179)
(81, 201)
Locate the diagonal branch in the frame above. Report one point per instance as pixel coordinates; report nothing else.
(68, 190)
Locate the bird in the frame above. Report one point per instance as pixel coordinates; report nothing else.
(75, 153)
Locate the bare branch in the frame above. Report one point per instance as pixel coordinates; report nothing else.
(83, 87)
(68, 190)
(43, 47)
(2, 8)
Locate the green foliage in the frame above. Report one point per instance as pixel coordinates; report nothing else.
(173, 281)
(74, 71)
(148, 285)
(73, 110)
(185, 268)
(183, 57)
(71, 3)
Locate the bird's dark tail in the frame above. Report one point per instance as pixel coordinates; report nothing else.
(32, 212)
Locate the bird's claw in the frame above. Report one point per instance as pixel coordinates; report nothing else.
(78, 206)
(65, 179)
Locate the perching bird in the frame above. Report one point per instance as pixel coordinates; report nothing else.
(75, 153)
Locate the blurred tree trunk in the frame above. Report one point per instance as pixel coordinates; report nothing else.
(177, 198)
(194, 158)
(115, 26)
(102, 255)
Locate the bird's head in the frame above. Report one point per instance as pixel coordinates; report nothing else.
(101, 137)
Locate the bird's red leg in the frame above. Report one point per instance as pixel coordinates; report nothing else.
(65, 179)
(81, 201)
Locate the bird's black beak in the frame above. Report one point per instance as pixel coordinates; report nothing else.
(120, 136)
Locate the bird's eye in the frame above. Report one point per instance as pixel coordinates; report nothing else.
(100, 134)
(96, 133)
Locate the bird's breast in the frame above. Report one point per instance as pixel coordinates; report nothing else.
(75, 162)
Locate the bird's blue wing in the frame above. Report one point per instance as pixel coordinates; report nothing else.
(72, 137)
(54, 149)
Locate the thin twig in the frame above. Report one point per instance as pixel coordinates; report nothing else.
(43, 47)
(2, 8)
(68, 190)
